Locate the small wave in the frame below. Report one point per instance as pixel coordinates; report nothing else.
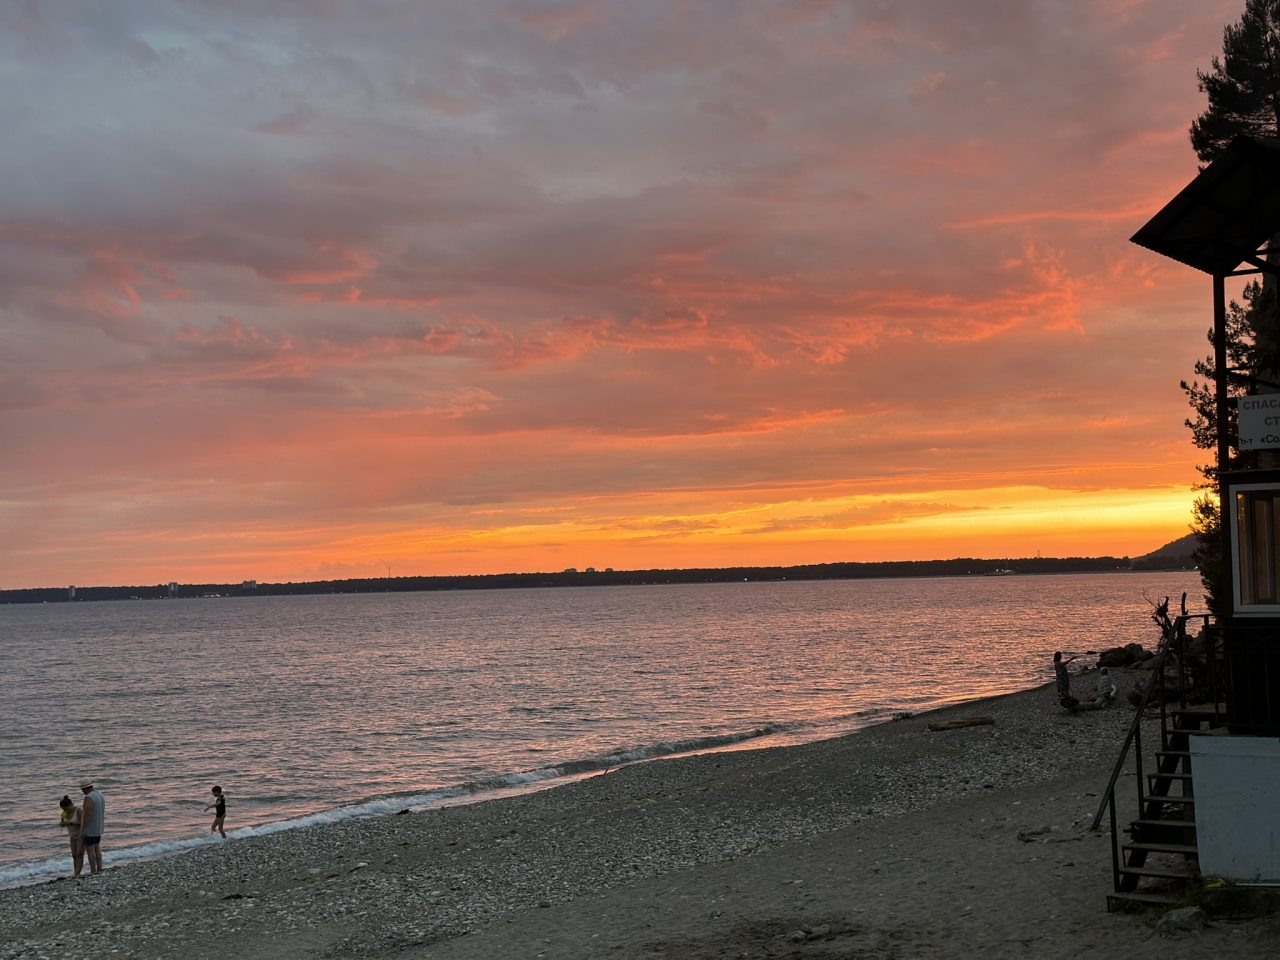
(623, 756)
(38, 871)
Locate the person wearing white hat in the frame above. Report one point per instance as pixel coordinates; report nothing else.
(91, 823)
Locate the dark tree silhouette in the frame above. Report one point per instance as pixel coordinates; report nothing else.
(1206, 520)
(1243, 92)
(1243, 85)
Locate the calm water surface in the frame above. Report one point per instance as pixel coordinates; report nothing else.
(315, 708)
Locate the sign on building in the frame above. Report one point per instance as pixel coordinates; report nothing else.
(1259, 422)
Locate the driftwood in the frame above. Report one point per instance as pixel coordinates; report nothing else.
(957, 724)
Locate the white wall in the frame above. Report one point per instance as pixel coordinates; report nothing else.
(1237, 790)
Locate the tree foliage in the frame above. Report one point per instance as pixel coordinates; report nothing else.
(1242, 357)
(1243, 86)
(1206, 515)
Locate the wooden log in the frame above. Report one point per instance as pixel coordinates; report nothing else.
(957, 724)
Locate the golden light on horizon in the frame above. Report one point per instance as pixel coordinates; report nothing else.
(1008, 522)
(695, 307)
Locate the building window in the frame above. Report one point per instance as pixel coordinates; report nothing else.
(1255, 540)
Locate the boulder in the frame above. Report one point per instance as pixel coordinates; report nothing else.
(1124, 656)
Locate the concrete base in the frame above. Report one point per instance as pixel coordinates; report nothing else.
(1237, 783)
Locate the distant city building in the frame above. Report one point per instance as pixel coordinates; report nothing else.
(71, 593)
(173, 588)
(249, 585)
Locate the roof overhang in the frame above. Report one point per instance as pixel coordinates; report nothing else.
(1220, 219)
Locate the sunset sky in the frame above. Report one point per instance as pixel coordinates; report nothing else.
(297, 289)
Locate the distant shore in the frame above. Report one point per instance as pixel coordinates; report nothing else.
(893, 840)
(590, 577)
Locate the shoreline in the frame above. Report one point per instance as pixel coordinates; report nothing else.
(599, 860)
(50, 869)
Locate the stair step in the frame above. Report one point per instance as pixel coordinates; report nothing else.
(1185, 801)
(1173, 753)
(1201, 709)
(1185, 849)
(1137, 901)
(1169, 776)
(1167, 822)
(1198, 712)
(1160, 873)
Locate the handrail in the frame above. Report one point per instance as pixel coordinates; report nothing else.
(1177, 635)
(1173, 641)
(1157, 673)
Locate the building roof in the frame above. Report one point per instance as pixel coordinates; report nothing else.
(1221, 218)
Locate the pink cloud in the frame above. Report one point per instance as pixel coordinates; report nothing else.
(322, 266)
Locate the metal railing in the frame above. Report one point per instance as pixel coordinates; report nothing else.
(1172, 649)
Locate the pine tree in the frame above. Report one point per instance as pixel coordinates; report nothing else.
(1243, 86)
(1206, 521)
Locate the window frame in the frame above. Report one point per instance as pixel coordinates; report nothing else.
(1237, 491)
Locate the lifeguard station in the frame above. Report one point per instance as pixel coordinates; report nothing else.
(1207, 799)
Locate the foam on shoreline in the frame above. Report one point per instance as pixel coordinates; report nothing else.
(490, 788)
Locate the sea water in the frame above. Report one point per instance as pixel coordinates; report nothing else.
(314, 708)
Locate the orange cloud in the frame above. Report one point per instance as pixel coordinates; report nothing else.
(594, 283)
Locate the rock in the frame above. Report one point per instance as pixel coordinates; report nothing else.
(1124, 656)
(1182, 920)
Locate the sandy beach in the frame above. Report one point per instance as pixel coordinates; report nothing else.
(891, 842)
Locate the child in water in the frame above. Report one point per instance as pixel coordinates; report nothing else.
(219, 807)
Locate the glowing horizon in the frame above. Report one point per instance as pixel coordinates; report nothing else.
(504, 287)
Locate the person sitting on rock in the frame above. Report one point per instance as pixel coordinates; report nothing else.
(1106, 686)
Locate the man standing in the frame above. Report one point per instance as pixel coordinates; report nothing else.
(91, 821)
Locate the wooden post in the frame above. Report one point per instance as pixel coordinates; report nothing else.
(1222, 410)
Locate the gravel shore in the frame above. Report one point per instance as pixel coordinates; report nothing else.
(894, 841)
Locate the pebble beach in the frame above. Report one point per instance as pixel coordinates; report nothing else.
(894, 841)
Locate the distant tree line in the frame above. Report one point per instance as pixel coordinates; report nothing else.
(591, 578)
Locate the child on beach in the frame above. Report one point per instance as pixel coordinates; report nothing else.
(69, 820)
(1106, 686)
(219, 807)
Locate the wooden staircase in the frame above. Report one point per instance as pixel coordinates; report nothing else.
(1160, 857)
